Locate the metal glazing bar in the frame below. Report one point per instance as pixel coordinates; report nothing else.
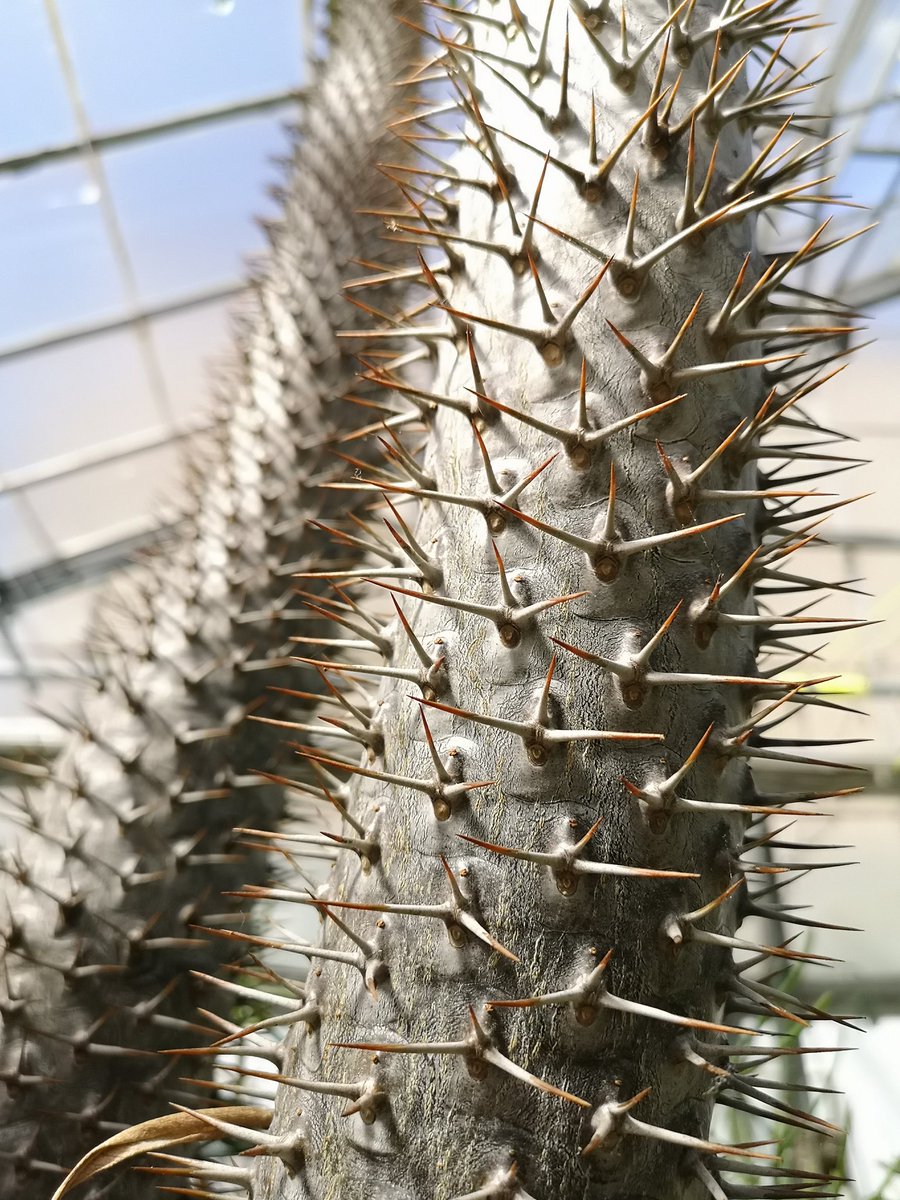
(88, 566)
(136, 133)
(74, 333)
(98, 454)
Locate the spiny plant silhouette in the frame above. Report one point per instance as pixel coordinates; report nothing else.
(129, 840)
(531, 983)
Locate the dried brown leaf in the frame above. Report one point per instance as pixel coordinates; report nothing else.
(175, 1130)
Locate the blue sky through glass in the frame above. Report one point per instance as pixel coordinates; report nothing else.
(71, 396)
(185, 201)
(183, 204)
(138, 62)
(33, 101)
(58, 266)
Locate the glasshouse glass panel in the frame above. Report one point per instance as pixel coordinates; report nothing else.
(21, 547)
(185, 201)
(139, 63)
(74, 396)
(120, 494)
(35, 109)
(58, 267)
(190, 344)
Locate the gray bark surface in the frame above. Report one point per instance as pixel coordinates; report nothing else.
(458, 992)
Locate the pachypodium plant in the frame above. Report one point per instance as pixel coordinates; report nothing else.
(531, 983)
(129, 840)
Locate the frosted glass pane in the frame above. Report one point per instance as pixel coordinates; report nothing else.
(48, 633)
(869, 1077)
(14, 699)
(185, 202)
(34, 107)
(872, 60)
(139, 62)
(101, 505)
(189, 344)
(54, 625)
(888, 321)
(881, 127)
(868, 180)
(58, 268)
(73, 396)
(20, 547)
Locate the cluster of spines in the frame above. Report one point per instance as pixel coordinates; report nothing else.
(127, 840)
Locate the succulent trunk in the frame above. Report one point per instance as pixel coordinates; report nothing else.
(530, 985)
(128, 843)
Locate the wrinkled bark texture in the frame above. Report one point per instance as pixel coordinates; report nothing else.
(519, 998)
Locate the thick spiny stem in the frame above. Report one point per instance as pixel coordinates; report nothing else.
(637, 552)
